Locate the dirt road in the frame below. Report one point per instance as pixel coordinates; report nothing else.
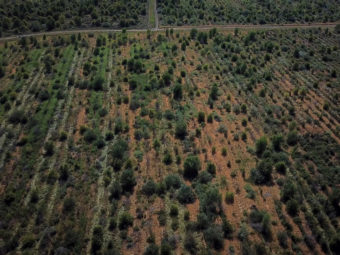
(176, 28)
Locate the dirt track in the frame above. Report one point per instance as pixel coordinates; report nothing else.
(176, 28)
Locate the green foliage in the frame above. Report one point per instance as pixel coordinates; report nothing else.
(181, 129)
(261, 145)
(173, 181)
(192, 165)
(178, 92)
(229, 197)
(262, 174)
(149, 188)
(213, 236)
(292, 138)
(185, 195)
(128, 180)
(125, 221)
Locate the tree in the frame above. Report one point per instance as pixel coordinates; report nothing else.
(229, 197)
(292, 207)
(262, 174)
(125, 221)
(292, 138)
(128, 180)
(2, 71)
(173, 181)
(97, 83)
(261, 145)
(213, 236)
(227, 228)
(178, 93)
(185, 195)
(181, 129)
(277, 141)
(190, 243)
(192, 165)
(214, 92)
(152, 249)
(201, 117)
(149, 188)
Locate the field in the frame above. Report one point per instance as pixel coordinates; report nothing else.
(204, 12)
(171, 142)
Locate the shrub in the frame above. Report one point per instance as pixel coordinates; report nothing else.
(152, 249)
(116, 190)
(292, 207)
(49, 148)
(173, 211)
(185, 195)
(97, 83)
(97, 239)
(214, 92)
(192, 165)
(181, 129)
(149, 188)
(69, 205)
(227, 228)
(125, 221)
(128, 180)
(282, 237)
(90, 136)
(178, 92)
(262, 174)
(213, 236)
(229, 197)
(173, 181)
(261, 145)
(211, 168)
(201, 117)
(190, 243)
(280, 167)
(167, 158)
(292, 138)
(211, 202)
(18, 116)
(277, 141)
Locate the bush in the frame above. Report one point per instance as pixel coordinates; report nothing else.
(181, 129)
(282, 237)
(149, 188)
(49, 148)
(213, 236)
(152, 249)
(167, 158)
(211, 203)
(173, 211)
(292, 207)
(173, 181)
(292, 138)
(214, 92)
(128, 180)
(90, 136)
(261, 145)
(178, 92)
(98, 83)
(201, 117)
(229, 197)
(262, 174)
(18, 116)
(190, 243)
(125, 221)
(185, 195)
(97, 239)
(277, 141)
(227, 228)
(69, 205)
(192, 165)
(280, 167)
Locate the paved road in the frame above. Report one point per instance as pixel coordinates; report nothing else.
(180, 28)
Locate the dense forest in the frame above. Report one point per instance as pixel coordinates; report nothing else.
(21, 16)
(195, 12)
